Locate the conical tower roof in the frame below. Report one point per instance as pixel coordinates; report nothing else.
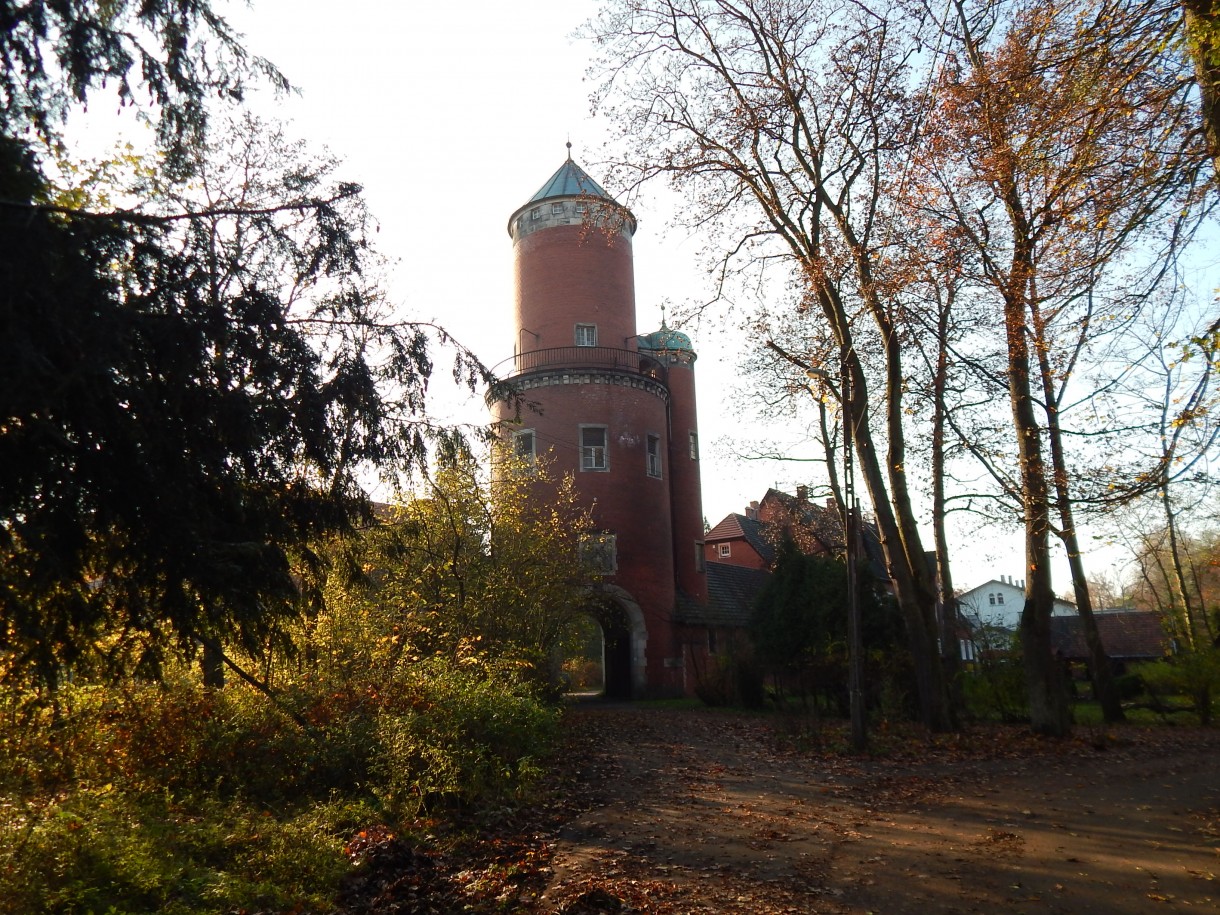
(570, 181)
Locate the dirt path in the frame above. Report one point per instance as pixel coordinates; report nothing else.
(702, 811)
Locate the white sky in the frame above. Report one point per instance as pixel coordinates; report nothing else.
(452, 116)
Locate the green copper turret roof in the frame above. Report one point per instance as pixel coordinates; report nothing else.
(665, 339)
(570, 181)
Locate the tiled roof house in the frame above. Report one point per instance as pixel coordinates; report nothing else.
(1126, 635)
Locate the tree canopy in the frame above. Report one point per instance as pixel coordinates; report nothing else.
(194, 387)
(962, 200)
(466, 568)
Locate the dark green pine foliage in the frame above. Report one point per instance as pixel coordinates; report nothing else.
(172, 56)
(151, 436)
(190, 390)
(799, 627)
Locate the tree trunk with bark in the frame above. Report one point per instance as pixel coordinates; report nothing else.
(951, 656)
(1203, 40)
(1100, 671)
(1048, 707)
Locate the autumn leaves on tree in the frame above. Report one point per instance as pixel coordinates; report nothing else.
(1001, 183)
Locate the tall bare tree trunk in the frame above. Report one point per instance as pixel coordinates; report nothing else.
(915, 597)
(1203, 37)
(908, 561)
(950, 646)
(1048, 708)
(1176, 575)
(1101, 673)
(911, 586)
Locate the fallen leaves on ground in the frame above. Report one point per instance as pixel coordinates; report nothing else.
(700, 811)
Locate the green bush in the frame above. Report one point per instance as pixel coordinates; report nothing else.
(751, 688)
(714, 685)
(1129, 687)
(115, 850)
(731, 679)
(178, 738)
(891, 685)
(171, 798)
(1194, 676)
(996, 690)
(468, 739)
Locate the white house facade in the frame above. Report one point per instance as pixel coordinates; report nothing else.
(997, 604)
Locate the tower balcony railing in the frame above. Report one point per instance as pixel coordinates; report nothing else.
(576, 358)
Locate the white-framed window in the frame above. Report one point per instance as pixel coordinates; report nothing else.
(991, 599)
(700, 560)
(653, 445)
(581, 209)
(556, 209)
(999, 597)
(600, 551)
(524, 444)
(536, 213)
(726, 550)
(593, 452)
(586, 335)
(694, 446)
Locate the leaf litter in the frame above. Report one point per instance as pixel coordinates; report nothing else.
(665, 811)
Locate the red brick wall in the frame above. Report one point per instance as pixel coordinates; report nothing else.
(686, 488)
(742, 554)
(625, 499)
(574, 274)
(570, 274)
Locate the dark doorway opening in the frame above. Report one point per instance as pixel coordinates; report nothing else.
(617, 658)
(597, 658)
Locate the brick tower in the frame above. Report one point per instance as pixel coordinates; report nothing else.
(616, 409)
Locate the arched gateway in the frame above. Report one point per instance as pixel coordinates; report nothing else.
(625, 635)
(616, 410)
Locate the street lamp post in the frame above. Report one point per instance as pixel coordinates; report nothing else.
(851, 534)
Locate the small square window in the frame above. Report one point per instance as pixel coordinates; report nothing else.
(581, 209)
(556, 209)
(694, 446)
(654, 456)
(523, 444)
(726, 550)
(593, 454)
(536, 213)
(586, 335)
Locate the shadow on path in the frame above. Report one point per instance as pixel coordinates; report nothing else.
(705, 811)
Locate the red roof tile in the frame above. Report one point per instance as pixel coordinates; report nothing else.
(1124, 634)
